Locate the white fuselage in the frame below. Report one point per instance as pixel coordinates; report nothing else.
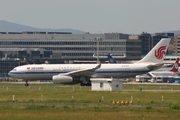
(47, 71)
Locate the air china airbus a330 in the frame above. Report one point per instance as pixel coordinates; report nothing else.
(73, 73)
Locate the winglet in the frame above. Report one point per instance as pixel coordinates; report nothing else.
(175, 66)
(98, 66)
(157, 53)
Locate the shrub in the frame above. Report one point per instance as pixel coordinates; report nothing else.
(148, 107)
(176, 107)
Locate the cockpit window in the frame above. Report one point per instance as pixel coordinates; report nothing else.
(14, 69)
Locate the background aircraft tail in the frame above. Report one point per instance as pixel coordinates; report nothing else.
(175, 66)
(157, 53)
(111, 59)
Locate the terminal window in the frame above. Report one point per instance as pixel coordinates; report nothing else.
(101, 85)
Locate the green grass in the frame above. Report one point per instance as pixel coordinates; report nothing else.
(72, 102)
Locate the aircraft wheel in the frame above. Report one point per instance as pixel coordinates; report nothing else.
(82, 84)
(26, 84)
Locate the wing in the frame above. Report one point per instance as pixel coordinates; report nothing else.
(82, 72)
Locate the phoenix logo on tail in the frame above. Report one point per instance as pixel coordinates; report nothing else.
(160, 52)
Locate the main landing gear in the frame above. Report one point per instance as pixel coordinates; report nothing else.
(88, 83)
(26, 83)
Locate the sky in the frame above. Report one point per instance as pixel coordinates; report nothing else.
(95, 16)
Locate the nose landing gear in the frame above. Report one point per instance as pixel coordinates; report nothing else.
(26, 83)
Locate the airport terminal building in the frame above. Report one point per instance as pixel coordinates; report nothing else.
(69, 46)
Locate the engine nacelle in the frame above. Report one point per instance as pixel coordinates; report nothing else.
(62, 79)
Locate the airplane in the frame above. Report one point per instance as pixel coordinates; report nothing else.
(73, 73)
(111, 59)
(159, 74)
(172, 72)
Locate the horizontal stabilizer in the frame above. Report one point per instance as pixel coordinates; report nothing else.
(155, 67)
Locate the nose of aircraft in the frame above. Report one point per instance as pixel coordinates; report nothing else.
(9, 73)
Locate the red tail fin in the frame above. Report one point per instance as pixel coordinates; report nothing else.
(175, 66)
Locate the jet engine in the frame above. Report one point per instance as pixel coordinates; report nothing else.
(62, 79)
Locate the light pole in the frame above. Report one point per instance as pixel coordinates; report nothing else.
(97, 43)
